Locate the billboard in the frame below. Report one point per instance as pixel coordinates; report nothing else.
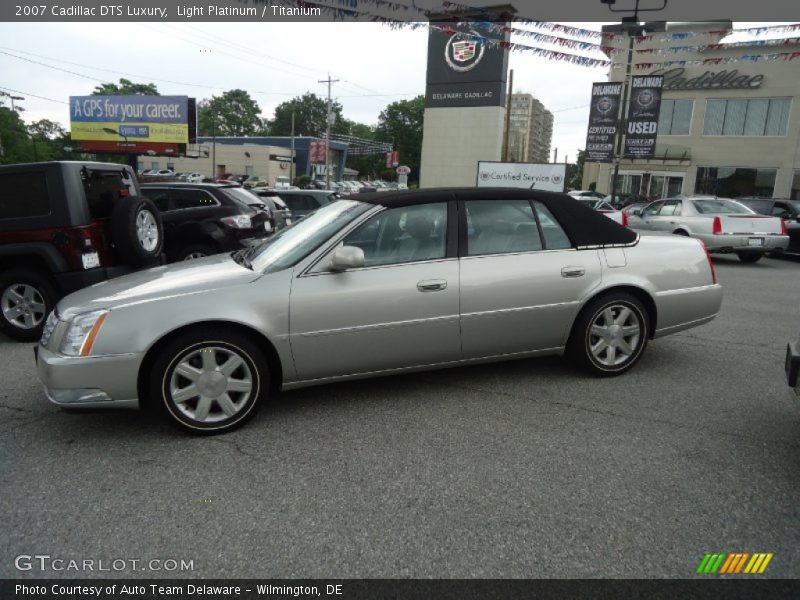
(151, 119)
(603, 116)
(467, 65)
(548, 176)
(643, 109)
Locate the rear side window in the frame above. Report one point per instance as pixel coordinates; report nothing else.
(24, 195)
(554, 236)
(103, 189)
(192, 199)
(501, 227)
(299, 202)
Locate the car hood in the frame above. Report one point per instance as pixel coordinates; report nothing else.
(187, 277)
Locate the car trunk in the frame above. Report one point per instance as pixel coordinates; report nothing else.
(749, 224)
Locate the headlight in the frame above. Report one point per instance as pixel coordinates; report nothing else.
(82, 332)
(237, 222)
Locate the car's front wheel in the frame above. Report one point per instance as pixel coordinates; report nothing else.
(26, 298)
(210, 381)
(610, 334)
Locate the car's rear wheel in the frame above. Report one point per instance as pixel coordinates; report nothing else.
(210, 381)
(749, 257)
(610, 334)
(26, 298)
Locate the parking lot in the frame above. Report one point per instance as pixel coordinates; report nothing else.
(520, 469)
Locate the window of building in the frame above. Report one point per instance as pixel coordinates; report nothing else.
(732, 182)
(747, 116)
(794, 193)
(248, 171)
(675, 117)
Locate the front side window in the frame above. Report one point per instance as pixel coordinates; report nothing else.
(401, 235)
(668, 209)
(501, 227)
(747, 117)
(652, 210)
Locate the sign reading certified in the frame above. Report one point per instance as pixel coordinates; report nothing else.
(163, 119)
(548, 177)
(603, 121)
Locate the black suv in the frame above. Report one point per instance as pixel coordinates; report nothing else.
(304, 202)
(201, 219)
(63, 226)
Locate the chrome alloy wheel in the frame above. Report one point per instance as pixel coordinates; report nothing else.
(211, 384)
(23, 306)
(147, 230)
(614, 335)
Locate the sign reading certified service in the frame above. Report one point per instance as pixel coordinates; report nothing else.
(548, 177)
(163, 119)
(603, 122)
(645, 104)
(466, 66)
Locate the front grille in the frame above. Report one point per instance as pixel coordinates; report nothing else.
(49, 327)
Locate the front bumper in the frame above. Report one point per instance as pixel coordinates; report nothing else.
(793, 366)
(742, 242)
(92, 381)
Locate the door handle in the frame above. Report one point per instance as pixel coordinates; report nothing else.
(573, 272)
(672, 222)
(431, 285)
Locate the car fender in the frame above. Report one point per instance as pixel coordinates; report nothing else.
(47, 252)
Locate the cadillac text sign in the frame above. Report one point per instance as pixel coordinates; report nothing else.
(677, 80)
(642, 123)
(603, 116)
(549, 177)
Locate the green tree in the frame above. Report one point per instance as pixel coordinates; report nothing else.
(234, 113)
(310, 112)
(126, 88)
(575, 172)
(400, 123)
(15, 144)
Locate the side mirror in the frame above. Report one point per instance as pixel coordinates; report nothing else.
(347, 257)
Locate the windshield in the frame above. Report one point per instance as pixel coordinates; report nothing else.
(719, 206)
(290, 245)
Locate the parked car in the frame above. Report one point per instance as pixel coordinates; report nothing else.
(722, 224)
(606, 209)
(64, 226)
(255, 180)
(586, 194)
(788, 210)
(304, 202)
(201, 219)
(279, 212)
(388, 283)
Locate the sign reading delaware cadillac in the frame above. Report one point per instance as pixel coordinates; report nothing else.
(676, 79)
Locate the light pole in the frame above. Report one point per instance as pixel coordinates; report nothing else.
(633, 28)
(329, 81)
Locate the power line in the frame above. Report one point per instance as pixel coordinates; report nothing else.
(33, 95)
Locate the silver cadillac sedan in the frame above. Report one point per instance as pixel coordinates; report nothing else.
(387, 283)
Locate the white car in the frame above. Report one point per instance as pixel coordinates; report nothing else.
(722, 224)
(604, 207)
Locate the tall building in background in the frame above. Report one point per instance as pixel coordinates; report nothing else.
(530, 130)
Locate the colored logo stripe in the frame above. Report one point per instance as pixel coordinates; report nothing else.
(734, 563)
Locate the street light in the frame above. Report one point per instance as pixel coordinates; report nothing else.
(633, 28)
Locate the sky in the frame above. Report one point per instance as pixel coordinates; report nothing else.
(274, 62)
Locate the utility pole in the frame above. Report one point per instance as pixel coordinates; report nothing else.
(507, 139)
(329, 81)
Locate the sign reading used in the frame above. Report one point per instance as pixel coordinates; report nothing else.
(546, 176)
(603, 116)
(154, 119)
(643, 109)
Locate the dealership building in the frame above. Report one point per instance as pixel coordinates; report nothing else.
(730, 115)
(269, 157)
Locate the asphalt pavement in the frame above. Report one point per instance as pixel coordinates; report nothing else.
(520, 469)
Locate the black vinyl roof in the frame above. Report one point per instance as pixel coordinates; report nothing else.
(584, 225)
